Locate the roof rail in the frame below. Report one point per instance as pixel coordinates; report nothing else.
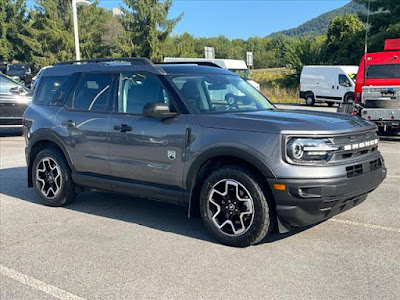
(193, 62)
(132, 60)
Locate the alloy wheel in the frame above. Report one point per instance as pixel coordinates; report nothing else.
(231, 207)
(48, 177)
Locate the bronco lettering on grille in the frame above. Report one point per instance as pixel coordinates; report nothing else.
(361, 145)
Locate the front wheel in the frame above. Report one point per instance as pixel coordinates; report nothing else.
(52, 178)
(235, 207)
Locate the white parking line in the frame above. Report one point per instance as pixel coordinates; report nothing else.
(372, 226)
(38, 285)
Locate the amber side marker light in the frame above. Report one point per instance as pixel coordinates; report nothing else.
(279, 187)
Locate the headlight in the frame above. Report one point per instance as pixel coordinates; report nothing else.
(305, 150)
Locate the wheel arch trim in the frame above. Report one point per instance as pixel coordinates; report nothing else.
(226, 151)
(44, 135)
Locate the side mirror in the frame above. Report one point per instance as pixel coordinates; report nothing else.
(17, 90)
(158, 110)
(347, 84)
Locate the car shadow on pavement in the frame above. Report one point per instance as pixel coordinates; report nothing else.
(152, 214)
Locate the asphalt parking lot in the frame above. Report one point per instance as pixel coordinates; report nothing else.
(105, 246)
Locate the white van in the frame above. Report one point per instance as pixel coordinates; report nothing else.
(330, 84)
(235, 65)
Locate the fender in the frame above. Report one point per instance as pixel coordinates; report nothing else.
(211, 153)
(41, 135)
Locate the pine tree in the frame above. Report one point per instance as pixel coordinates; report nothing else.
(14, 24)
(147, 25)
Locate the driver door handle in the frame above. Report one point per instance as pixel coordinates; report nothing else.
(68, 123)
(122, 128)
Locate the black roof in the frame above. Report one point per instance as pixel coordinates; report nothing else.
(65, 69)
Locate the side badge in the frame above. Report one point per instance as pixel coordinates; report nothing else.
(171, 154)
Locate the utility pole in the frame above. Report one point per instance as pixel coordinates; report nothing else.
(75, 18)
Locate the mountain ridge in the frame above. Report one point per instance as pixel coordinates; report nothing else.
(319, 25)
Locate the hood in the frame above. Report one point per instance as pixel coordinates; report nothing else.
(286, 121)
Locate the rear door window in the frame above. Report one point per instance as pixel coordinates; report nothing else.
(92, 93)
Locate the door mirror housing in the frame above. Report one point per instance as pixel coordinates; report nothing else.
(347, 84)
(159, 110)
(17, 90)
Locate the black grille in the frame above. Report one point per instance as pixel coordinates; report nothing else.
(350, 140)
(375, 164)
(354, 171)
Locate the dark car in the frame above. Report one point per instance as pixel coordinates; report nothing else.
(20, 72)
(197, 136)
(14, 99)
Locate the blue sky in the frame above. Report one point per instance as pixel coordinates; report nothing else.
(242, 18)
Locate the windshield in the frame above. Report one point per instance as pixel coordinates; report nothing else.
(207, 94)
(244, 73)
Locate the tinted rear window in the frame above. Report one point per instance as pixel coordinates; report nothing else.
(383, 71)
(47, 87)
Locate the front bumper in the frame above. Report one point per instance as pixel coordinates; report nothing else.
(309, 201)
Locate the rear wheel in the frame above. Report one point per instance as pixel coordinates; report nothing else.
(52, 178)
(310, 100)
(235, 207)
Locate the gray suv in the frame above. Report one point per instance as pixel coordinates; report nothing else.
(198, 136)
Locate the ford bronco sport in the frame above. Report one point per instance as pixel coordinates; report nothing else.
(198, 136)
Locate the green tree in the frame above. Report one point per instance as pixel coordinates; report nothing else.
(345, 40)
(14, 24)
(298, 52)
(147, 25)
(51, 39)
(384, 22)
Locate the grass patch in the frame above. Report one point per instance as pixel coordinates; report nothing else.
(273, 84)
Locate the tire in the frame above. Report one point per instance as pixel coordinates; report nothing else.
(348, 98)
(330, 104)
(52, 176)
(310, 100)
(254, 217)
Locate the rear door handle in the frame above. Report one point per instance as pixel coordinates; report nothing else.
(123, 128)
(68, 123)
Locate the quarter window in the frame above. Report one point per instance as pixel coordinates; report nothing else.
(92, 93)
(136, 90)
(47, 88)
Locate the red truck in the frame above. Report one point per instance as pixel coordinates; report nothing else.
(377, 91)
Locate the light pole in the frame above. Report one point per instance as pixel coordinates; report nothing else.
(75, 17)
